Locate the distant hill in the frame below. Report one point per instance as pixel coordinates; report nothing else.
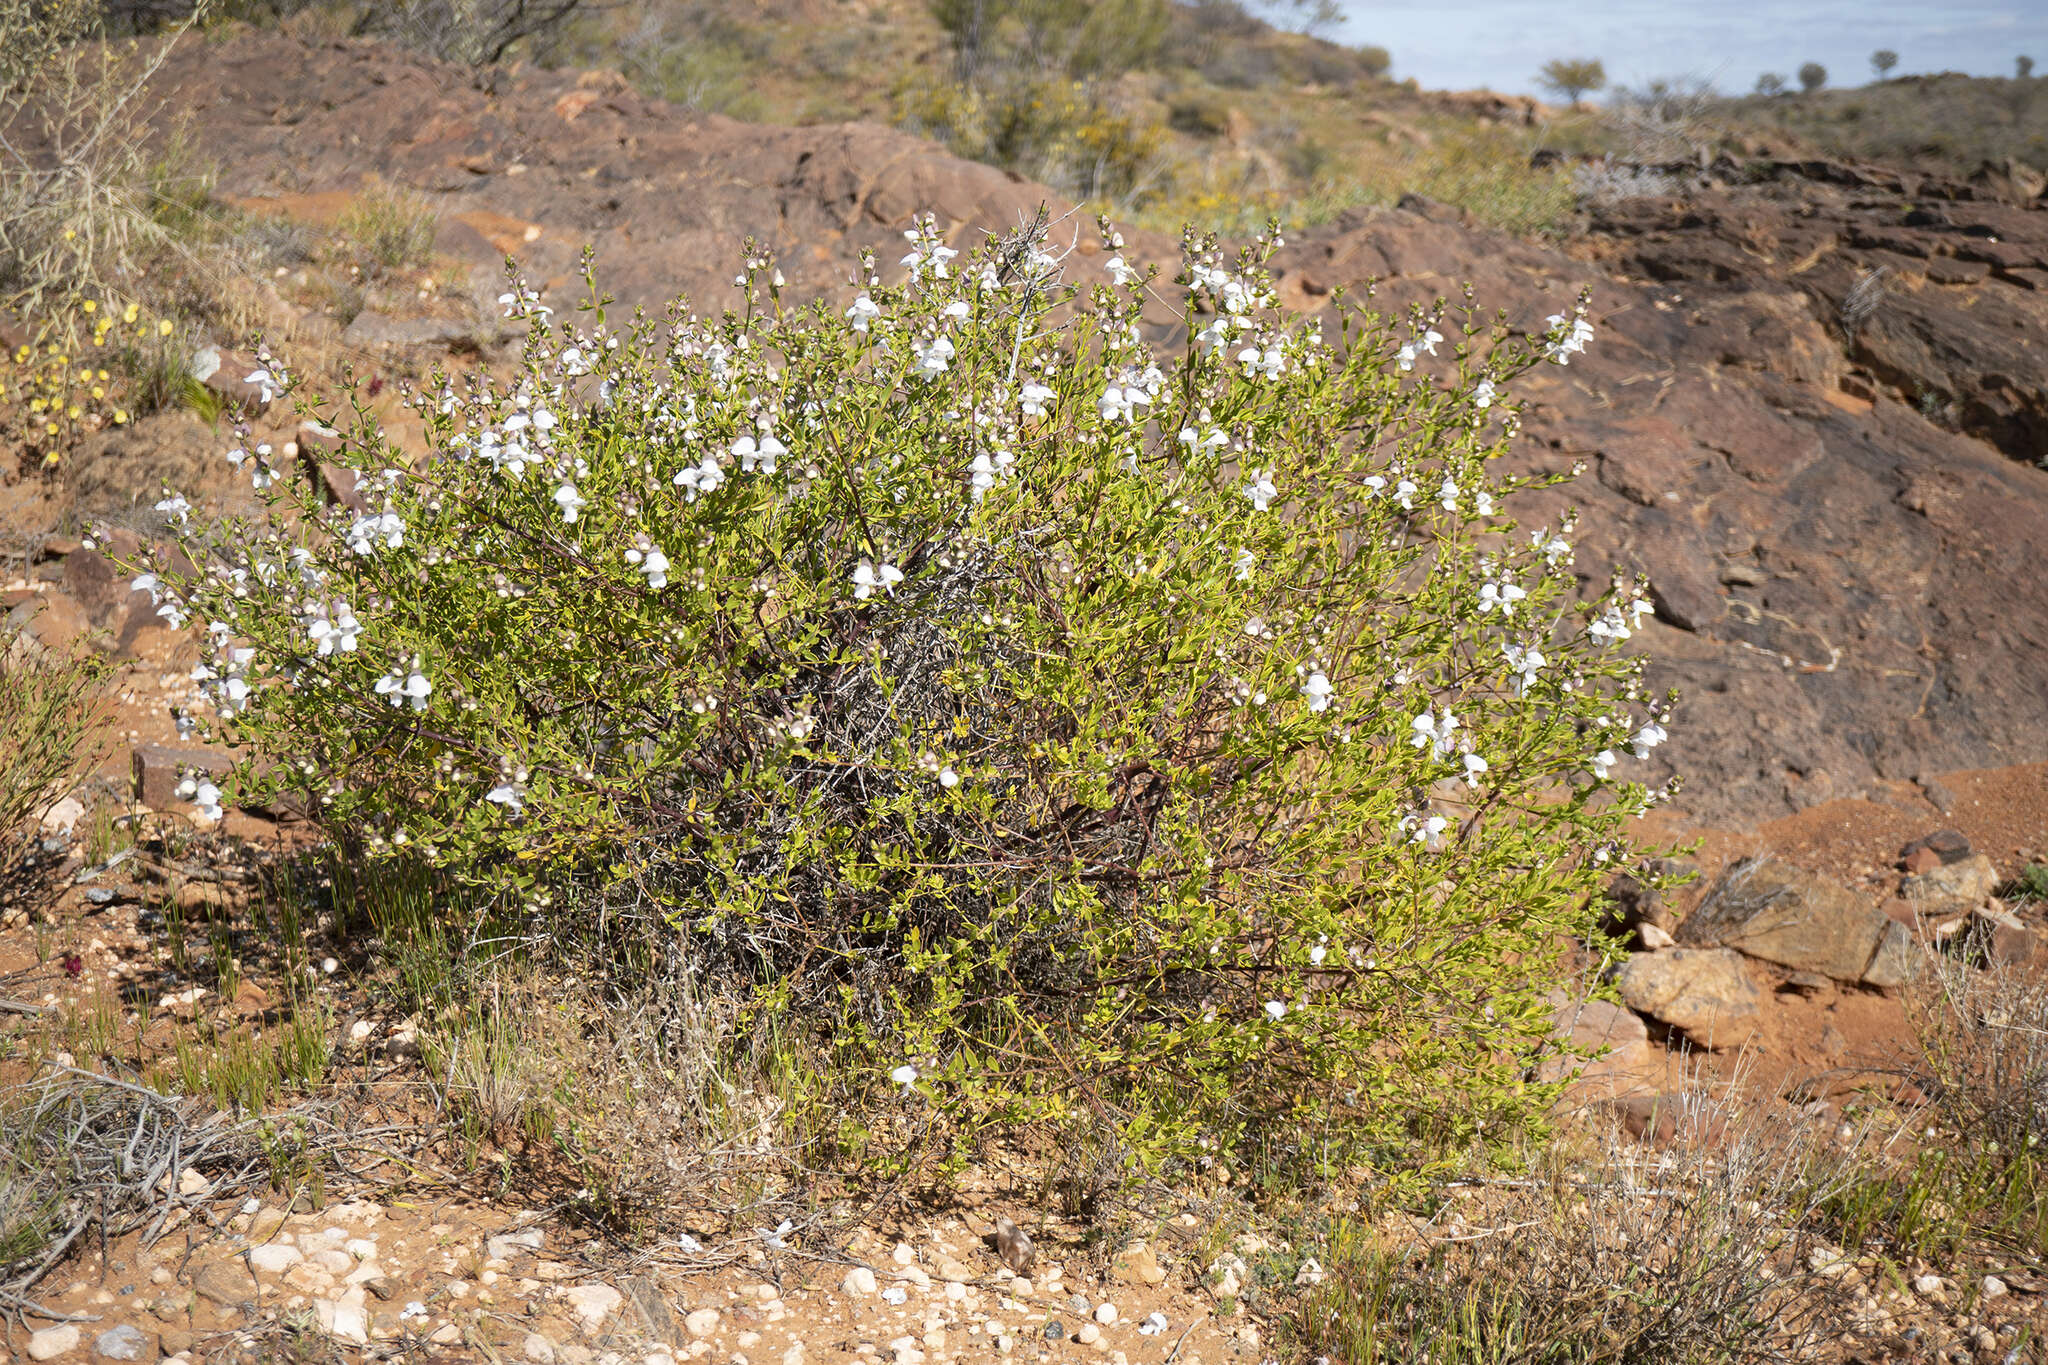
(1947, 123)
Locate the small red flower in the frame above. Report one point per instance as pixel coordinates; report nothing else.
(74, 965)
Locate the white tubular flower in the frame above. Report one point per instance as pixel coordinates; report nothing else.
(1242, 565)
(1447, 496)
(703, 477)
(869, 576)
(985, 469)
(1500, 597)
(760, 454)
(1601, 762)
(905, 1076)
(1649, 737)
(403, 686)
(332, 629)
(1553, 548)
(203, 794)
(1435, 733)
(1267, 363)
(1261, 490)
(1215, 336)
(1610, 627)
(176, 508)
(1120, 402)
(1482, 503)
(1199, 443)
(1525, 663)
(570, 501)
(1153, 1325)
(863, 313)
(1424, 829)
(1119, 270)
(651, 562)
(1571, 337)
(371, 528)
(265, 382)
(508, 795)
(1405, 357)
(934, 358)
(1482, 394)
(1404, 494)
(1275, 1010)
(1475, 768)
(1318, 690)
(956, 310)
(927, 255)
(1035, 397)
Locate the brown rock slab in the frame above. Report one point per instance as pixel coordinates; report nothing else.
(224, 1283)
(158, 771)
(1773, 910)
(1896, 960)
(1648, 1118)
(1704, 992)
(1138, 1264)
(1997, 936)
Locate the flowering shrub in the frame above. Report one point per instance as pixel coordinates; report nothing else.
(1168, 740)
(57, 390)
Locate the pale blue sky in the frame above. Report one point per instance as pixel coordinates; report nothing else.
(1462, 44)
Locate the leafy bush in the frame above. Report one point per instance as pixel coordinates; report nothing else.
(1201, 113)
(87, 202)
(1812, 76)
(1058, 131)
(1169, 748)
(389, 229)
(49, 709)
(1485, 172)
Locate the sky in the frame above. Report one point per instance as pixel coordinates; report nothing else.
(1500, 44)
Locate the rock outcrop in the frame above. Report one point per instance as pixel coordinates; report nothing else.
(1771, 910)
(1834, 499)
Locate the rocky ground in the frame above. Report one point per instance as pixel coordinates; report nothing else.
(1814, 418)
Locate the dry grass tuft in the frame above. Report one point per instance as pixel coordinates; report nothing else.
(1698, 1253)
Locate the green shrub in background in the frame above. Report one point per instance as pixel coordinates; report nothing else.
(1168, 749)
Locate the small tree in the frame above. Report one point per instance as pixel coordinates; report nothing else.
(2023, 67)
(1770, 83)
(1569, 78)
(1812, 77)
(1882, 61)
(1312, 17)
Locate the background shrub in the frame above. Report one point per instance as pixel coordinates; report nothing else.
(49, 711)
(1171, 752)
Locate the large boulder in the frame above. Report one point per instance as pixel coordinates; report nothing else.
(1770, 909)
(1704, 992)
